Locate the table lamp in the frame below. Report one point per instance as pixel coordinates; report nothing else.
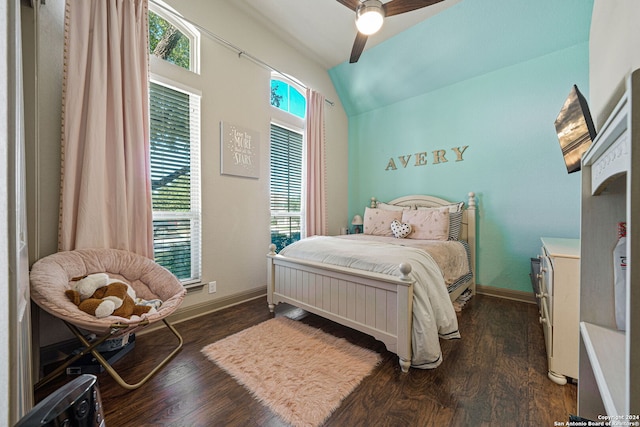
(357, 222)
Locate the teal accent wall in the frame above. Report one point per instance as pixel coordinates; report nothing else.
(513, 161)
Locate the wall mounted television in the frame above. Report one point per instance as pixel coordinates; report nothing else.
(575, 129)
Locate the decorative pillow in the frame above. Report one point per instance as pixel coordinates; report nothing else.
(378, 221)
(388, 207)
(432, 224)
(400, 230)
(455, 218)
(455, 225)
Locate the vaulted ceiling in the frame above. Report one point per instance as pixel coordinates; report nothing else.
(424, 50)
(325, 28)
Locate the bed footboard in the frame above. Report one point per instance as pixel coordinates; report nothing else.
(376, 304)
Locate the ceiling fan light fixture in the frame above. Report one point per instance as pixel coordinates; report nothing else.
(369, 16)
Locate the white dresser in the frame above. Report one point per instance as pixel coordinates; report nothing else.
(558, 291)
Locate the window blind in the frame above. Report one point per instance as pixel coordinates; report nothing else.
(175, 179)
(285, 186)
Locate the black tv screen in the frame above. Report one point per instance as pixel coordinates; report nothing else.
(575, 129)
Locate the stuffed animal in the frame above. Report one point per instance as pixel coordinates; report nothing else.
(108, 297)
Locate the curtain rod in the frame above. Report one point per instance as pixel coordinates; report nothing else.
(241, 52)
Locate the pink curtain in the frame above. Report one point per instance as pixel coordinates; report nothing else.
(105, 197)
(316, 201)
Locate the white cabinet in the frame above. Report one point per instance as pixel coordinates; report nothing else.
(558, 292)
(610, 359)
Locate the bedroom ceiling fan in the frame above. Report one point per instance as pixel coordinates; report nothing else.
(370, 15)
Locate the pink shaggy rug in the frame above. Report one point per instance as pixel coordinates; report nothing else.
(299, 372)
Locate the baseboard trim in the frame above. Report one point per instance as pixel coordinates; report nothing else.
(197, 310)
(511, 294)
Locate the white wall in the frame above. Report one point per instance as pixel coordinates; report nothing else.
(5, 295)
(614, 52)
(235, 226)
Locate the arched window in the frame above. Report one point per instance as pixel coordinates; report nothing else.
(173, 40)
(287, 98)
(286, 185)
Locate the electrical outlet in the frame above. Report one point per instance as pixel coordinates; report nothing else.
(212, 287)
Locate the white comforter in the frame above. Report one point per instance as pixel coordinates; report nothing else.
(433, 313)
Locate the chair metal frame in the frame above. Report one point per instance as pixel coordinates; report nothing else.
(92, 347)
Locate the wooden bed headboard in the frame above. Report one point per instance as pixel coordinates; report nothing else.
(468, 231)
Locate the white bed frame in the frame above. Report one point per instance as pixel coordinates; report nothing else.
(377, 304)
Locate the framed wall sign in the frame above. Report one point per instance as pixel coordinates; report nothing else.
(239, 151)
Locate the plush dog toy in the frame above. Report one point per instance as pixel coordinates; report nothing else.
(101, 296)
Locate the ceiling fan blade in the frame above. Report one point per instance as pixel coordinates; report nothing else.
(358, 47)
(396, 7)
(351, 4)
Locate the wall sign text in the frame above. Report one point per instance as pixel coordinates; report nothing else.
(424, 157)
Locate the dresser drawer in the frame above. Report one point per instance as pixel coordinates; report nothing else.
(535, 280)
(546, 283)
(546, 327)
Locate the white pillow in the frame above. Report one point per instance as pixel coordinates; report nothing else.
(454, 207)
(388, 207)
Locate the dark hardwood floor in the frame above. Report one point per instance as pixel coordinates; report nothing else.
(496, 375)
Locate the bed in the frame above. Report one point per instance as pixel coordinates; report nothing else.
(381, 285)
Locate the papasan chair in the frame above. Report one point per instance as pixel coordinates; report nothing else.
(52, 275)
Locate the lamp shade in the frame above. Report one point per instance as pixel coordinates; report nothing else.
(357, 220)
(369, 17)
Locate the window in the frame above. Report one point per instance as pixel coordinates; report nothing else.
(287, 167)
(175, 179)
(287, 98)
(173, 40)
(285, 186)
(174, 115)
